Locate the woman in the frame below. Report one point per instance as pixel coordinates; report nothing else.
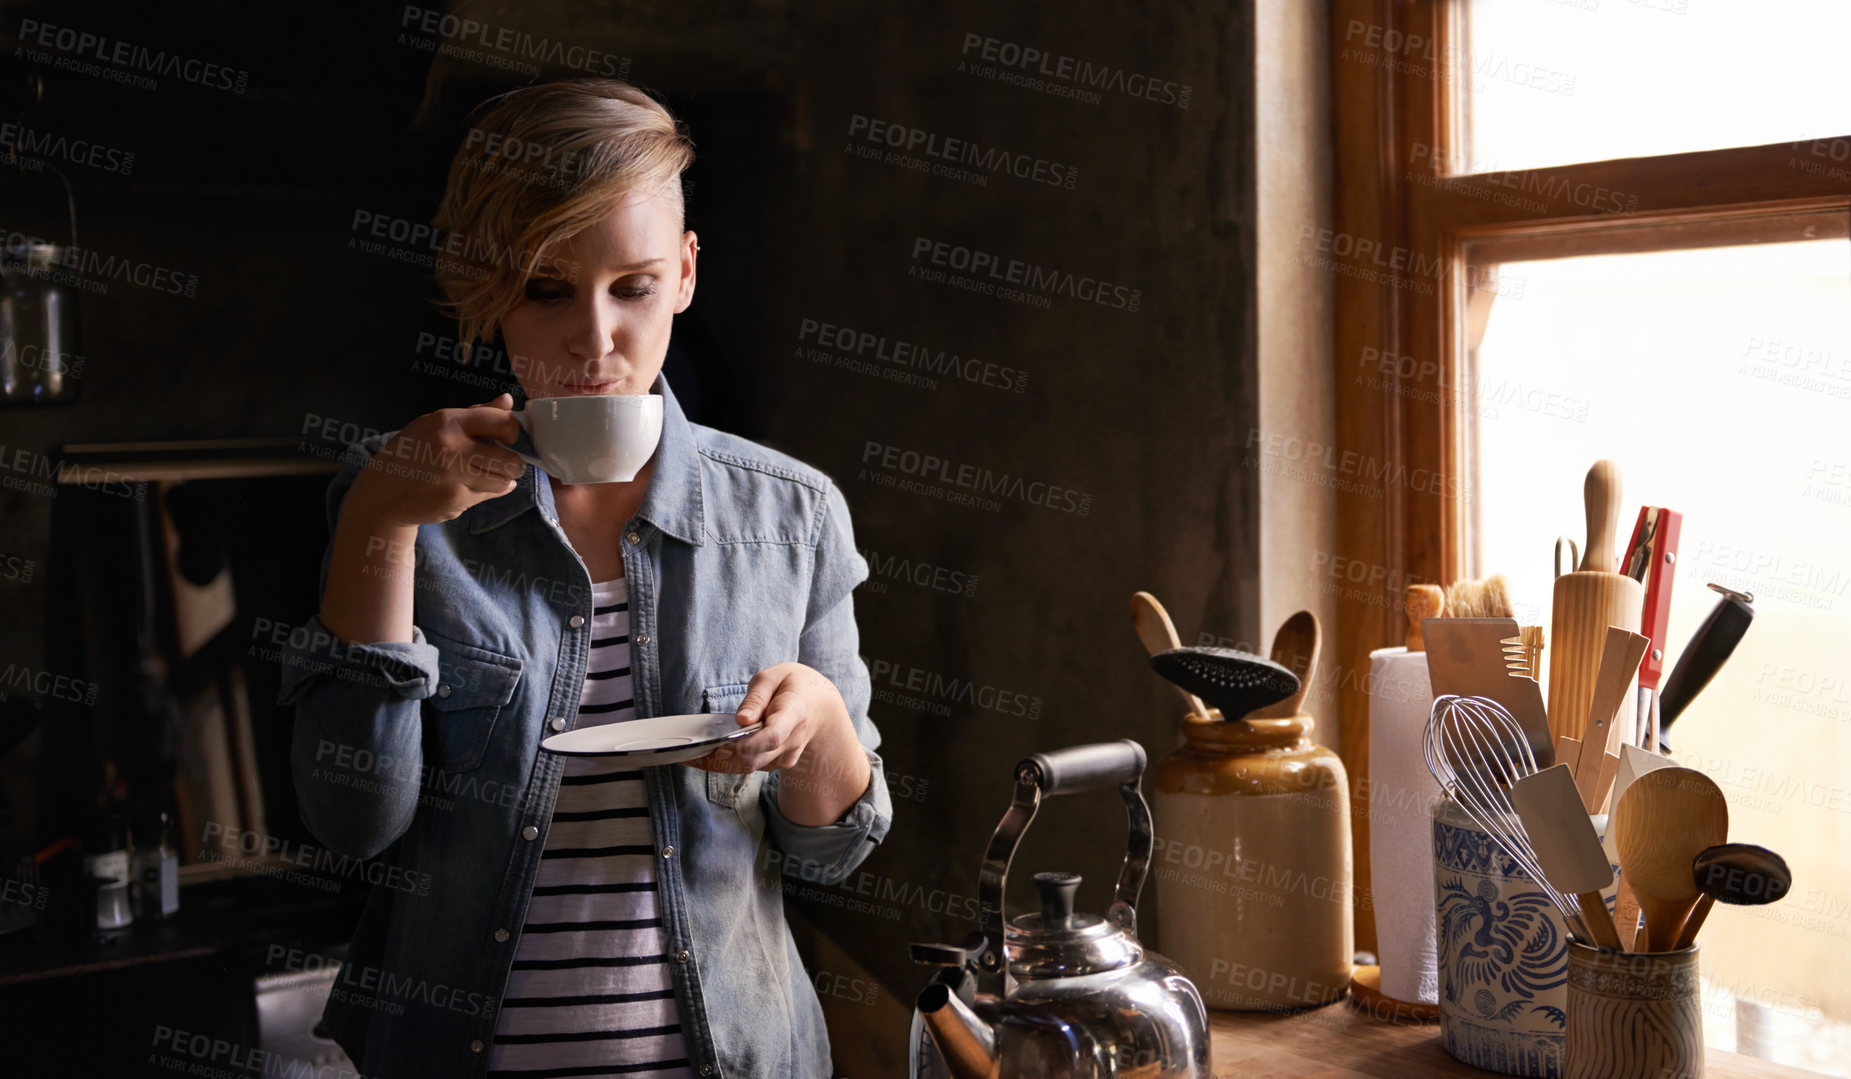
(542, 916)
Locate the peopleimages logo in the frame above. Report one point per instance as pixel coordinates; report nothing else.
(846, 345)
(986, 159)
(21, 145)
(1063, 76)
(924, 574)
(91, 270)
(456, 252)
(126, 58)
(973, 478)
(1011, 271)
(502, 46)
(892, 677)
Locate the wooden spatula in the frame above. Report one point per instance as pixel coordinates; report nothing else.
(1665, 820)
(1465, 656)
(1295, 647)
(1567, 847)
(1159, 635)
(1618, 660)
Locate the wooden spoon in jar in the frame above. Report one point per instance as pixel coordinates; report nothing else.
(1741, 874)
(1159, 635)
(1295, 647)
(1666, 819)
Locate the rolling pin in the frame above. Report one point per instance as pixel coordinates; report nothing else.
(1587, 601)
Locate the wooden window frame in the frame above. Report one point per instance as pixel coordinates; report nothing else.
(1403, 420)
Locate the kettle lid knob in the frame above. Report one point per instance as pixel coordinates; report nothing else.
(1057, 891)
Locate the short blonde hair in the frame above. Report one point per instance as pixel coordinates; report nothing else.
(542, 164)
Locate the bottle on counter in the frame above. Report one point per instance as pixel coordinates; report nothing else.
(106, 863)
(156, 868)
(1253, 864)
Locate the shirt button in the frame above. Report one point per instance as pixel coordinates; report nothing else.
(642, 638)
(559, 723)
(476, 1046)
(530, 832)
(501, 936)
(681, 956)
(668, 851)
(706, 1069)
(576, 621)
(443, 689)
(634, 539)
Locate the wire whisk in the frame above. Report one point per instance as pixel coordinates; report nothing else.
(1477, 751)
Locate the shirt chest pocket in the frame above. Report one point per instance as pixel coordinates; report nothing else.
(474, 688)
(724, 788)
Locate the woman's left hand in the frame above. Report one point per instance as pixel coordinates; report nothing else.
(799, 705)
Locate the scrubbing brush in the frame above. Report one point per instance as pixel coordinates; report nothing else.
(1489, 598)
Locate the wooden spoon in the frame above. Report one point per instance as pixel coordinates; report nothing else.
(1666, 819)
(1159, 635)
(1634, 762)
(1740, 874)
(1295, 647)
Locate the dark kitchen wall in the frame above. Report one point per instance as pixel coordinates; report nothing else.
(1029, 362)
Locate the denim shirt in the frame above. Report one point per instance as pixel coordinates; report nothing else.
(426, 754)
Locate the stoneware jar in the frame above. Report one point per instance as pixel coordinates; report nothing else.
(1633, 1013)
(1503, 953)
(1253, 864)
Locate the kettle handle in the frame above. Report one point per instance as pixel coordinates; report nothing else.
(1062, 771)
(1088, 767)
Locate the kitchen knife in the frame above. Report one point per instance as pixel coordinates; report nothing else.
(1707, 651)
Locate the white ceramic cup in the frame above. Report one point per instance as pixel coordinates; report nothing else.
(602, 438)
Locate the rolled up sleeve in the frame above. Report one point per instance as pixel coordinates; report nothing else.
(356, 752)
(830, 643)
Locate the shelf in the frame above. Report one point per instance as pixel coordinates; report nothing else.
(213, 918)
(1343, 1042)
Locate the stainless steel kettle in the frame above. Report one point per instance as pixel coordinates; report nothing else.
(1054, 994)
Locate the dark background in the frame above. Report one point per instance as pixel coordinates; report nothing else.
(1144, 411)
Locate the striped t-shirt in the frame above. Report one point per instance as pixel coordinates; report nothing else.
(589, 992)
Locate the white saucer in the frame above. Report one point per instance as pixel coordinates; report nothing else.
(656, 740)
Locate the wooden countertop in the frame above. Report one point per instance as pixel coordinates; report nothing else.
(1343, 1042)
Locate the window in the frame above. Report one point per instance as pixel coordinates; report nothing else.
(1552, 82)
(1574, 229)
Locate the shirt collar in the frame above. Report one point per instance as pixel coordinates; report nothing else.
(674, 501)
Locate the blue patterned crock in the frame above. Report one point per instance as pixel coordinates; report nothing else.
(1503, 954)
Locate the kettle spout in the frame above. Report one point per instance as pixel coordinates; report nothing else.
(966, 1041)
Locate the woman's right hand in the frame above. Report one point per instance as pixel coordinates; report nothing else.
(440, 464)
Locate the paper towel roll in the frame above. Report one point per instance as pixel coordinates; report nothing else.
(1401, 797)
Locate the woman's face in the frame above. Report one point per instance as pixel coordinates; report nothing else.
(606, 329)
